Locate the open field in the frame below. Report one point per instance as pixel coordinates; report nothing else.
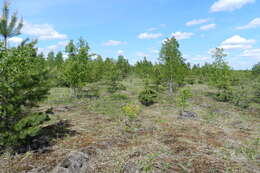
(222, 139)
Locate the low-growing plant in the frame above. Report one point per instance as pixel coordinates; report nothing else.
(182, 98)
(117, 96)
(257, 92)
(240, 98)
(224, 95)
(131, 111)
(148, 97)
(114, 86)
(190, 80)
(91, 92)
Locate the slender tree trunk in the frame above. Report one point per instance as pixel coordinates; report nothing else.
(171, 87)
(5, 42)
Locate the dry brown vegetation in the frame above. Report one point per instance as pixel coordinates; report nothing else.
(223, 139)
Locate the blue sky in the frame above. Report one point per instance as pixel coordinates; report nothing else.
(136, 28)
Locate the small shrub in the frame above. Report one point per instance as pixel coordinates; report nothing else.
(257, 92)
(224, 95)
(131, 111)
(190, 80)
(23, 84)
(148, 97)
(113, 87)
(240, 98)
(121, 87)
(182, 98)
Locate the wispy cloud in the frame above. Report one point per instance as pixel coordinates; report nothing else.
(152, 29)
(55, 47)
(15, 40)
(114, 43)
(208, 27)
(229, 5)
(42, 31)
(196, 22)
(252, 24)
(142, 54)
(147, 35)
(120, 52)
(182, 35)
(252, 53)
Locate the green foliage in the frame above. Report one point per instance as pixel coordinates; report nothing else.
(241, 98)
(112, 76)
(23, 83)
(144, 68)
(225, 95)
(257, 91)
(51, 58)
(117, 96)
(96, 67)
(74, 75)
(256, 69)
(75, 72)
(59, 60)
(9, 27)
(148, 97)
(93, 91)
(174, 68)
(131, 111)
(157, 78)
(221, 76)
(123, 66)
(182, 98)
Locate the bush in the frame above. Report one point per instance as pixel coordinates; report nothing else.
(240, 98)
(257, 92)
(114, 86)
(131, 111)
(183, 97)
(148, 97)
(23, 83)
(225, 95)
(256, 69)
(190, 80)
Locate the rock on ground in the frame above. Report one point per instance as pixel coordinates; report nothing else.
(75, 162)
(186, 114)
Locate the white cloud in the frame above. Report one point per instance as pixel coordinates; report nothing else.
(252, 24)
(142, 54)
(200, 58)
(114, 43)
(154, 51)
(42, 31)
(162, 25)
(208, 27)
(229, 5)
(252, 53)
(236, 39)
(237, 42)
(55, 47)
(146, 35)
(152, 29)
(182, 35)
(196, 22)
(15, 40)
(120, 52)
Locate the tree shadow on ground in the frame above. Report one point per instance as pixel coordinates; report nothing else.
(48, 137)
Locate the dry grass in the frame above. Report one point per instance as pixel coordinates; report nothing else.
(224, 139)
